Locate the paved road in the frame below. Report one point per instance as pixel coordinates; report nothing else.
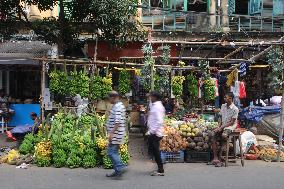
(255, 174)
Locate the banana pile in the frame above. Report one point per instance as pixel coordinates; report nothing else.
(43, 152)
(11, 157)
(102, 143)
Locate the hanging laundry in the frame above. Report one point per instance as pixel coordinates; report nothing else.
(243, 93)
(243, 68)
(232, 77)
(214, 80)
(235, 89)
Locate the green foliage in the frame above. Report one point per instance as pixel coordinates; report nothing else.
(42, 161)
(116, 20)
(275, 59)
(124, 82)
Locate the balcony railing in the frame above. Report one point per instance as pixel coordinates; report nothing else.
(160, 20)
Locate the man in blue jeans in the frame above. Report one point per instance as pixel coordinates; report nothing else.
(116, 133)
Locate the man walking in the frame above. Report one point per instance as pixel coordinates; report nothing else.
(155, 124)
(116, 133)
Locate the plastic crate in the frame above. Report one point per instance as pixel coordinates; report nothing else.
(172, 157)
(197, 157)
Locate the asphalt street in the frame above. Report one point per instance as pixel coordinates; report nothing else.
(255, 174)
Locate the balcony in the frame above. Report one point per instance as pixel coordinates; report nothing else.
(189, 21)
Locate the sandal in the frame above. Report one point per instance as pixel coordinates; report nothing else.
(220, 164)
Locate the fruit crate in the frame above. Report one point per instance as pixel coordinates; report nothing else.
(197, 156)
(172, 157)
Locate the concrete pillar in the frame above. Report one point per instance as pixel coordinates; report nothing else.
(225, 15)
(212, 12)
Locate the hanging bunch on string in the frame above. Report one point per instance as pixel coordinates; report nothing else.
(275, 59)
(162, 82)
(79, 83)
(209, 90)
(124, 82)
(177, 85)
(192, 86)
(100, 86)
(146, 69)
(59, 82)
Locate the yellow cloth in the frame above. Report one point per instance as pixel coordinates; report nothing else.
(232, 77)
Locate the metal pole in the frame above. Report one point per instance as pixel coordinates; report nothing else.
(281, 123)
(42, 89)
(152, 77)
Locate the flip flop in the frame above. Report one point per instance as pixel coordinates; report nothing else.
(220, 164)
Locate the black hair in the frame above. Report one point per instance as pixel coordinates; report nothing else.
(113, 94)
(33, 114)
(156, 95)
(231, 95)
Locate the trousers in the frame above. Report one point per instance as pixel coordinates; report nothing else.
(113, 154)
(154, 146)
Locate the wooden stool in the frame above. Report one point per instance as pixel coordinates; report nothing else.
(236, 134)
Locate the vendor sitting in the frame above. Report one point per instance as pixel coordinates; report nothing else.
(21, 131)
(229, 114)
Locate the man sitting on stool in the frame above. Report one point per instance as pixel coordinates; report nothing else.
(229, 115)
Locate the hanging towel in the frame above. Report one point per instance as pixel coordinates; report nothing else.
(243, 93)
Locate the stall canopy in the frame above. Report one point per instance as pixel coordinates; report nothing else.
(12, 52)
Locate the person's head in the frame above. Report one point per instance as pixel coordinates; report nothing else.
(253, 130)
(229, 98)
(113, 97)
(33, 115)
(155, 96)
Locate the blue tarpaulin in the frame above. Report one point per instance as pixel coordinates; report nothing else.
(255, 113)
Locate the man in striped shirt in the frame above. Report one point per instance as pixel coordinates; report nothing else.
(116, 133)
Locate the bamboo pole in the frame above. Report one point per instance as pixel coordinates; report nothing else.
(191, 58)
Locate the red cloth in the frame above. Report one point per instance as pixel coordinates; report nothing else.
(243, 93)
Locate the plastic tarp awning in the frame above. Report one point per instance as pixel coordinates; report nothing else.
(256, 113)
(271, 123)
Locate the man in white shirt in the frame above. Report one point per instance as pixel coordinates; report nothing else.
(156, 117)
(229, 117)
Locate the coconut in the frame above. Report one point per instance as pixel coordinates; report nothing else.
(192, 145)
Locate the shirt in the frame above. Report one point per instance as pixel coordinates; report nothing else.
(229, 113)
(117, 116)
(156, 119)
